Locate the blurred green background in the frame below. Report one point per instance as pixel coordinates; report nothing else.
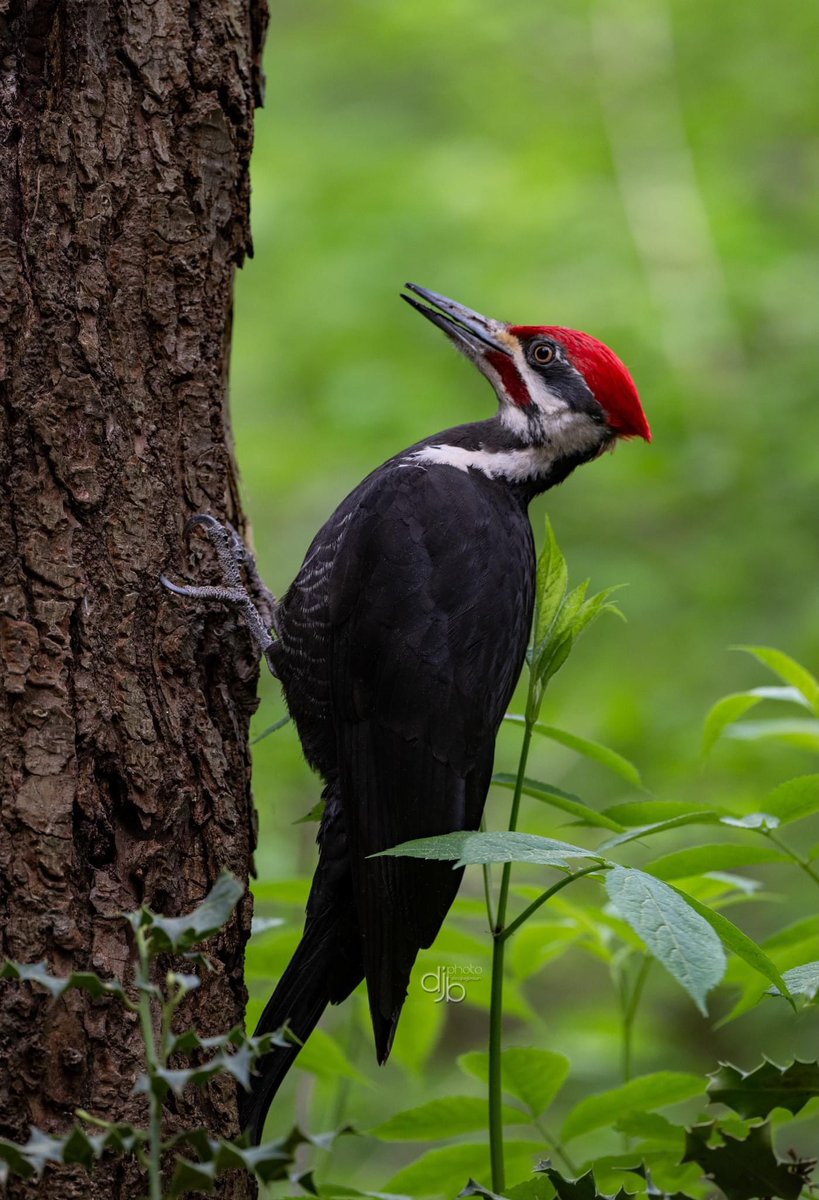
(646, 171)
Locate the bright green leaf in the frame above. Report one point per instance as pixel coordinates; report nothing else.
(644, 1094)
(440, 1119)
(565, 801)
(673, 931)
(724, 713)
(531, 1075)
(788, 670)
(442, 1172)
(704, 817)
(552, 580)
(594, 750)
(721, 857)
(793, 800)
(654, 812)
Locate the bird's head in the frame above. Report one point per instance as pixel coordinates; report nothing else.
(553, 384)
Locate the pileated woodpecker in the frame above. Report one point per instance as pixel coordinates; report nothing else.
(399, 644)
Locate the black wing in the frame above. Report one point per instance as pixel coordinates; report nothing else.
(430, 607)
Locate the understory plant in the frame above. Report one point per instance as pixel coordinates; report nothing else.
(193, 1160)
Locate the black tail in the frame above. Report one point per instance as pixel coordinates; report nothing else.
(312, 980)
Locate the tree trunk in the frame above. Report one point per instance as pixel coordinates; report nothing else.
(126, 128)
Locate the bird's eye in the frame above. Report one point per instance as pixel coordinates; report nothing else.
(543, 353)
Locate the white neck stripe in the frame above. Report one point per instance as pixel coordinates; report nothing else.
(514, 465)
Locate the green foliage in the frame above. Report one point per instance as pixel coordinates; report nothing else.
(232, 1054)
(757, 1093)
(744, 1167)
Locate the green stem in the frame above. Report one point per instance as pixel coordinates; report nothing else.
(152, 1063)
(547, 895)
(496, 1001)
(556, 1146)
(804, 863)
(629, 1014)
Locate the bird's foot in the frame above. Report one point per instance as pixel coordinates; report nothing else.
(258, 609)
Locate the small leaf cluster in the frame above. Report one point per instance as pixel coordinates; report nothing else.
(197, 1159)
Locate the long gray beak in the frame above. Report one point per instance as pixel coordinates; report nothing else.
(472, 333)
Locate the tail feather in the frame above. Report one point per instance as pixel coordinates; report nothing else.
(308, 985)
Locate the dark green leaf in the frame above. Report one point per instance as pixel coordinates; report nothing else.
(756, 1093)
(744, 1169)
(565, 801)
(673, 931)
(583, 1188)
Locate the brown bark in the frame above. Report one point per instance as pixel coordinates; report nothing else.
(125, 128)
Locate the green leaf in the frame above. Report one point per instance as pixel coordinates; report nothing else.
(724, 713)
(721, 857)
(704, 817)
(531, 1075)
(655, 812)
(565, 801)
(440, 1119)
(804, 734)
(315, 814)
(85, 981)
(794, 800)
(552, 581)
(743, 1169)
(324, 1057)
(673, 931)
(788, 670)
(737, 941)
(469, 848)
(76, 1146)
(274, 728)
(802, 981)
(644, 1094)
(442, 1172)
(756, 1093)
(180, 933)
(594, 750)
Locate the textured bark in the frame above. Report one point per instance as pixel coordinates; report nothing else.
(125, 128)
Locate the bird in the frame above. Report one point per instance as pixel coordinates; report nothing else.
(398, 646)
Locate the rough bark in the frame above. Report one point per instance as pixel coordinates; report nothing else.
(125, 128)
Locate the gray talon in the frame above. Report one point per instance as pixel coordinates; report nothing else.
(233, 555)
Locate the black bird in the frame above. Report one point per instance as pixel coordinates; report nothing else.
(398, 647)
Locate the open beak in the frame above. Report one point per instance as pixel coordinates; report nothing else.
(472, 333)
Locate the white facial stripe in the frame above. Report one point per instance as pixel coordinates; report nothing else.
(514, 465)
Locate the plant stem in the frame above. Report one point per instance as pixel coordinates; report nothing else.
(496, 1001)
(556, 1146)
(547, 895)
(152, 1063)
(804, 863)
(629, 1014)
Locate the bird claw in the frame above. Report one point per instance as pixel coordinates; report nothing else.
(233, 557)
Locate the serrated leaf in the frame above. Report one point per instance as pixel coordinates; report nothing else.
(565, 801)
(756, 1093)
(703, 817)
(442, 1171)
(583, 1188)
(673, 931)
(531, 1075)
(180, 933)
(440, 1119)
(644, 1094)
(469, 848)
(721, 857)
(85, 981)
(743, 1169)
(788, 670)
(793, 800)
